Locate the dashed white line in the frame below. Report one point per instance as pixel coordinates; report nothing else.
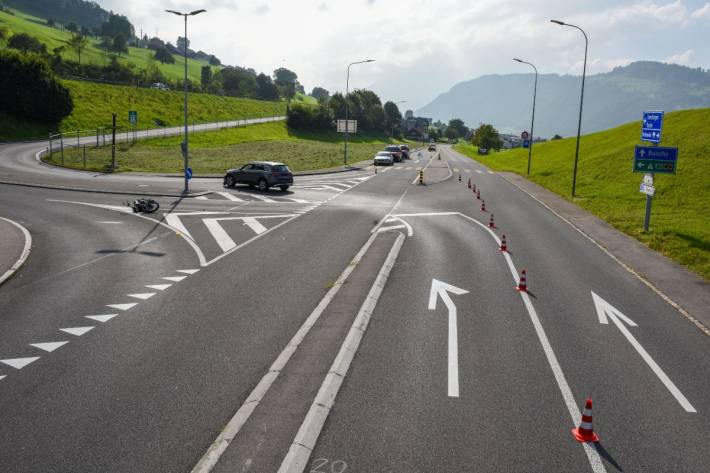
(101, 318)
(19, 363)
(48, 347)
(78, 331)
(123, 307)
(479, 171)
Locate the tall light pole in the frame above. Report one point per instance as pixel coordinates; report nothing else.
(347, 88)
(397, 103)
(184, 147)
(581, 100)
(532, 123)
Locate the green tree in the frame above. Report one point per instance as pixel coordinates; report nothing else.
(458, 125)
(393, 117)
(26, 43)
(213, 61)
(451, 133)
(164, 56)
(320, 94)
(557, 137)
(72, 27)
(237, 82)
(37, 94)
(286, 81)
(50, 22)
(183, 44)
(119, 44)
(267, 89)
(78, 43)
(205, 76)
(117, 24)
(486, 136)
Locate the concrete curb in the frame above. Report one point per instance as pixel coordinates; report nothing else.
(103, 191)
(23, 256)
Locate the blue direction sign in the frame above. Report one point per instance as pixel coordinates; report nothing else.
(526, 143)
(188, 173)
(655, 159)
(651, 126)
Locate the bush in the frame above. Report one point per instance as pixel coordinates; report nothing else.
(26, 43)
(308, 117)
(36, 94)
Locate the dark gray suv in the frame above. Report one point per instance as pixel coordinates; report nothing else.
(262, 174)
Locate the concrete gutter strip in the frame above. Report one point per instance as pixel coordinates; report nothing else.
(684, 290)
(23, 255)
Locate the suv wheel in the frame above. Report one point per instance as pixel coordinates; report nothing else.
(263, 186)
(229, 181)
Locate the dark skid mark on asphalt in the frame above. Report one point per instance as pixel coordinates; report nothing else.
(133, 250)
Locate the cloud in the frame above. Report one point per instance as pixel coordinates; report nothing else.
(262, 9)
(322, 6)
(683, 59)
(702, 13)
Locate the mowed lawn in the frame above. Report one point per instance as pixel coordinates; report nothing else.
(607, 187)
(215, 152)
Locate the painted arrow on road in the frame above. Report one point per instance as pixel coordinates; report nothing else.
(606, 311)
(442, 289)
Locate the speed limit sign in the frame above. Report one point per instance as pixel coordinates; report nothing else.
(525, 135)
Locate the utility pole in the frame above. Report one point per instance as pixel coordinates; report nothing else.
(347, 88)
(113, 144)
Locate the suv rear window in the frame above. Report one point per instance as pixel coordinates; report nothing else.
(393, 149)
(280, 168)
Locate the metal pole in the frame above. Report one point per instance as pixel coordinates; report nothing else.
(647, 217)
(347, 86)
(581, 103)
(186, 149)
(77, 139)
(61, 144)
(113, 145)
(50, 146)
(84, 156)
(97, 138)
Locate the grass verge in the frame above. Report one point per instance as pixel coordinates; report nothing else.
(607, 187)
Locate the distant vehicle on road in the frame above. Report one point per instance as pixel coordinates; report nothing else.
(432, 146)
(262, 174)
(159, 86)
(482, 151)
(396, 152)
(405, 151)
(383, 158)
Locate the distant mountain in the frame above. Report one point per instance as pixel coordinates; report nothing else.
(82, 12)
(610, 99)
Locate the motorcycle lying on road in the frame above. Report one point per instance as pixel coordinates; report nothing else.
(145, 206)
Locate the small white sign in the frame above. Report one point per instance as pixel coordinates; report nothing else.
(646, 189)
(351, 126)
(648, 179)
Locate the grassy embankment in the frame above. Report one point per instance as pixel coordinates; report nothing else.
(607, 187)
(214, 152)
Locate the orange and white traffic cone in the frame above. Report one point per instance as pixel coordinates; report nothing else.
(585, 431)
(483, 206)
(491, 223)
(474, 188)
(503, 244)
(478, 194)
(469, 182)
(523, 284)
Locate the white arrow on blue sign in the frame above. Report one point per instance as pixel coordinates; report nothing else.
(651, 126)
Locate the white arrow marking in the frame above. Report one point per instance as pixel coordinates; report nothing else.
(174, 278)
(144, 296)
(123, 306)
(606, 311)
(78, 331)
(19, 363)
(101, 318)
(48, 347)
(159, 287)
(442, 289)
(187, 271)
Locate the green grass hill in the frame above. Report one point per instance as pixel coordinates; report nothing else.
(607, 187)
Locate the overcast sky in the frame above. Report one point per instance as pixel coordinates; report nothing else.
(423, 47)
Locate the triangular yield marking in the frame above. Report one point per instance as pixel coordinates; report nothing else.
(174, 278)
(48, 347)
(123, 306)
(144, 296)
(160, 287)
(19, 363)
(3, 377)
(188, 271)
(101, 318)
(78, 331)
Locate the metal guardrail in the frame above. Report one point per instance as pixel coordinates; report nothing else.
(77, 138)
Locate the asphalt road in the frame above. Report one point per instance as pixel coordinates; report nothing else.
(244, 303)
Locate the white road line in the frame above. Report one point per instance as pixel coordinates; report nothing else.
(230, 196)
(211, 457)
(78, 331)
(201, 197)
(222, 238)
(263, 198)
(19, 363)
(101, 318)
(479, 171)
(390, 228)
(123, 307)
(456, 169)
(303, 444)
(159, 287)
(25, 251)
(254, 224)
(467, 170)
(491, 172)
(48, 347)
(144, 296)
(188, 271)
(106, 222)
(3, 377)
(174, 278)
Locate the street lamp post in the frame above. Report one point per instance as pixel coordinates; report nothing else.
(185, 148)
(397, 103)
(532, 123)
(581, 100)
(347, 88)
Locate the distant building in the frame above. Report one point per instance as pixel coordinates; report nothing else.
(416, 127)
